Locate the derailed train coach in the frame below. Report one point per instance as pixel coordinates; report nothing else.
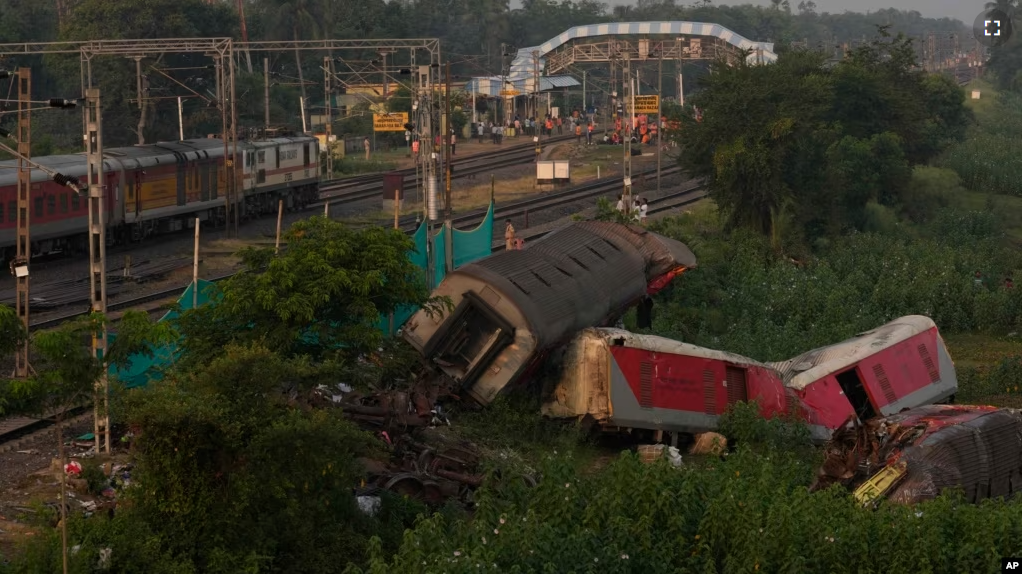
(515, 306)
(919, 453)
(628, 381)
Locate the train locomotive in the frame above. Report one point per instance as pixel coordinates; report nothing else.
(158, 188)
(513, 307)
(624, 380)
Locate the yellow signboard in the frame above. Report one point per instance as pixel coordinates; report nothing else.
(509, 92)
(646, 104)
(392, 122)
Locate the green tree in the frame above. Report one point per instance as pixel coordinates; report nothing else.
(815, 143)
(66, 373)
(116, 77)
(296, 20)
(321, 296)
(239, 472)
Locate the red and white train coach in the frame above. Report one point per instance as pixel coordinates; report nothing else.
(157, 188)
(625, 380)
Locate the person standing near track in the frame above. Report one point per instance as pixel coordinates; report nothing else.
(509, 235)
(453, 140)
(366, 144)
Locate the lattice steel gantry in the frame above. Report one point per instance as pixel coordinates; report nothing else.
(23, 244)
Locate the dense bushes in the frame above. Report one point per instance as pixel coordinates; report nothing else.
(989, 159)
(744, 299)
(1004, 378)
(749, 512)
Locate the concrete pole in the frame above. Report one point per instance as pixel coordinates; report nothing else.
(626, 137)
(327, 110)
(280, 216)
(235, 172)
(584, 91)
(660, 96)
(195, 267)
(301, 106)
(181, 121)
(225, 137)
(449, 257)
(266, 93)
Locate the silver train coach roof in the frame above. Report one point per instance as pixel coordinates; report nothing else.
(580, 275)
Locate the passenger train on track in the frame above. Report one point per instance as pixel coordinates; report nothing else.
(158, 188)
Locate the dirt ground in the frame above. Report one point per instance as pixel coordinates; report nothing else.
(29, 477)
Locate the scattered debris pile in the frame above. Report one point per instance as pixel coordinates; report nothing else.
(916, 454)
(427, 462)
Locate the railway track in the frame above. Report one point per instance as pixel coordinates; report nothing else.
(467, 220)
(662, 204)
(14, 428)
(370, 186)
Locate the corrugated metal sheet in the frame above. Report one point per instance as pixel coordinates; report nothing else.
(812, 365)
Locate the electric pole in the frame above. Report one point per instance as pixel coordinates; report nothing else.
(266, 95)
(660, 96)
(449, 259)
(627, 134)
(536, 83)
(429, 159)
(97, 256)
(326, 106)
(23, 245)
(225, 135)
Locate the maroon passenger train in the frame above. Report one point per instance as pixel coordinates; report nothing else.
(157, 188)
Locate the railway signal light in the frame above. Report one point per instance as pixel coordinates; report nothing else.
(62, 103)
(405, 71)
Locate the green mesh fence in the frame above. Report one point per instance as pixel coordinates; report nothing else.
(468, 247)
(142, 368)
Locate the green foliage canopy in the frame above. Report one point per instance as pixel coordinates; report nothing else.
(321, 296)
(814, 141)
(750, 512)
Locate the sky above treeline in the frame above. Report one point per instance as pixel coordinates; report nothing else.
(965, 10)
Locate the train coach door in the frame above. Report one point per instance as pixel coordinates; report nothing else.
(182, 176)
(735, 379)
(852, 387)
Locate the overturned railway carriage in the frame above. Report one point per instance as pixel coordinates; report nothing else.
(918, 453)
(157, 188)
(902, 364)
(625, 380)
(514, 306)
